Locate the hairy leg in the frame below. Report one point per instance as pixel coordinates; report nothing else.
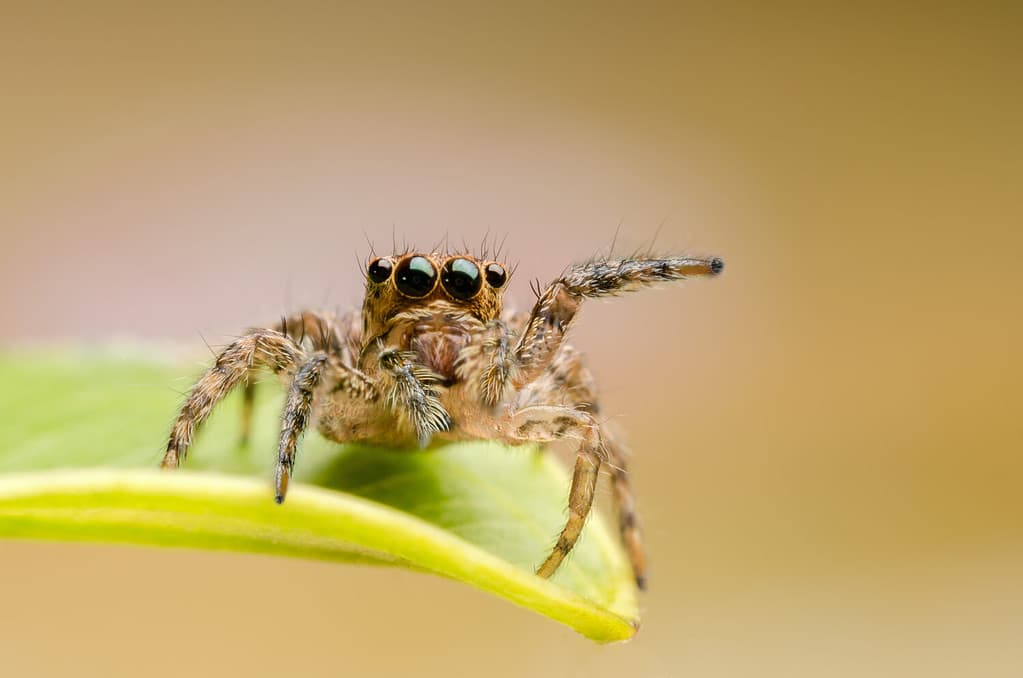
(297, 411)
(488, 363)
(320, 368)
(320, 331)
(557, 305)
(542, 424)
(259, 348)
(412, 394)
(568, 382)
(625, 504)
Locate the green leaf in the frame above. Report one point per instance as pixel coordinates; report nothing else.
(83, 435)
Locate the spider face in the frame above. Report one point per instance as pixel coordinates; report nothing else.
(430, 293)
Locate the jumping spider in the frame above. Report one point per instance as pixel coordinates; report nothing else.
(434, 356)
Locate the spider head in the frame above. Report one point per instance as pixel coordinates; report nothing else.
(431, 284)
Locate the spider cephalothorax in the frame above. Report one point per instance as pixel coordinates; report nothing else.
(435, 357)
(431, 304)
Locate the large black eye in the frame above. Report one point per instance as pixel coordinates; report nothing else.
(496, 275)
(461, 278)
(379, 270)
(416, 277)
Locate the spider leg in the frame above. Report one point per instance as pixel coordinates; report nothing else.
(546, 423)
(320, 368)
(413, 394)
(625, 502)
(248, 405)
(488, 364)
(566, 382)
(321, 331)
(569, 383)
(259, 348)
(557, 305)
(297, 411)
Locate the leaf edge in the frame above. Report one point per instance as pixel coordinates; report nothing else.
(224, 512)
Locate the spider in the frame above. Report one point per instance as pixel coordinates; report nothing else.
(433, 356)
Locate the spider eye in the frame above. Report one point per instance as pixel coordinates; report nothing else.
(416, 277)
(461, 278)
(496, 275)
(379, 270)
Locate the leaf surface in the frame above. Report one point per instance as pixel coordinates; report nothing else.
(83, 435)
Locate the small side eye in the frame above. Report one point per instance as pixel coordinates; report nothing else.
(379, 270)
(461, 278)
(416, 277)
(496, 275)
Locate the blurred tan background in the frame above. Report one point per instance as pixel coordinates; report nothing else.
(827, 437)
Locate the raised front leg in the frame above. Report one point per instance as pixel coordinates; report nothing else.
(557, 305)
